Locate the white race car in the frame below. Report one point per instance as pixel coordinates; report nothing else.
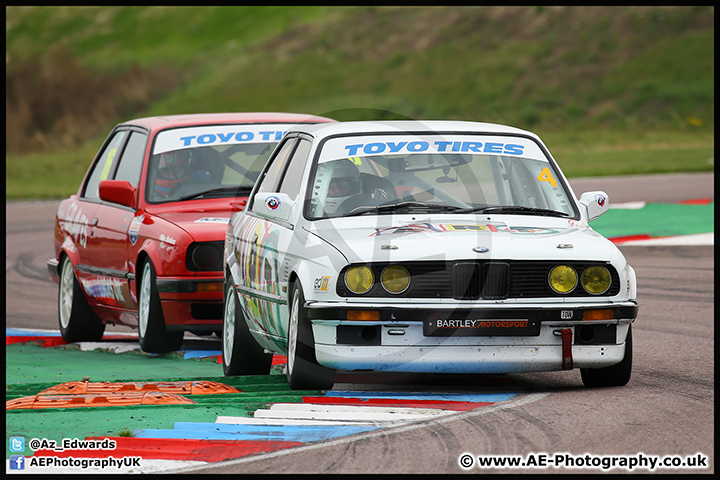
(433, 247)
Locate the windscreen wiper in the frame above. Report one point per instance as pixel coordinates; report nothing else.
(403, 206)
(522, 210)
(220, 191)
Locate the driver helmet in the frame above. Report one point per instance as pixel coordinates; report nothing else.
(174, 165)
(345, 183)
(173, 168)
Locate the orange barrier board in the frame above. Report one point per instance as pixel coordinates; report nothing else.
(88, 400)
(198, 387)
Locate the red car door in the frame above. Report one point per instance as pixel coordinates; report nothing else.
(109, 234)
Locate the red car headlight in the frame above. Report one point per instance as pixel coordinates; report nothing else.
(205, 257)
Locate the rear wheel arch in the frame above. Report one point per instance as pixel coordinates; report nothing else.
(76, 319)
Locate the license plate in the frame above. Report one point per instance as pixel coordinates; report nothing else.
(481, 327)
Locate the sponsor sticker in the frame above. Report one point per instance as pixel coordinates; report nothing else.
(212, 220)
(480, 327)
(134, 229)
(217, 135)
(321, 284)
(167, 239)
(357, 147)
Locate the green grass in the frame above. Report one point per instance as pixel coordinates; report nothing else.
(593, 153)
(611, 90)
(111, 37)
(46, 175)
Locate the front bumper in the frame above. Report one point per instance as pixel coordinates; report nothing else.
(52, 266)
(400, 340)
(195, 303)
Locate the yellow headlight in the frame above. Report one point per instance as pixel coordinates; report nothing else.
(563, 279)
(596, 280)
(359, 279)
(395, 279)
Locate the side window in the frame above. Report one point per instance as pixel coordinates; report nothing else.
(132, 159)
(293, 175)
(272, 175)
(101, 169)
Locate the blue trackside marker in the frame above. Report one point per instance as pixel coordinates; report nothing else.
(287, 433)
(18, 332)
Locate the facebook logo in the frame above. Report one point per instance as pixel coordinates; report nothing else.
(17, 462)
(17, 444)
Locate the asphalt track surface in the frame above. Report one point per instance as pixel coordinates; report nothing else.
(666, 409)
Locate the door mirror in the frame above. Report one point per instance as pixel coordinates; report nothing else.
(595, 203)
(118, 191)
(275, 206)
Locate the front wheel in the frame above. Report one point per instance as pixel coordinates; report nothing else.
(241, 354)
(303, 370)
(78, 323)
(153, 336)
(614, 375)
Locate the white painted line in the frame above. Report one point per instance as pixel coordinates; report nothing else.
(112, 347)
(696, 239)
(344, 416)
(377, 415)
(309, 407)
(628, 205)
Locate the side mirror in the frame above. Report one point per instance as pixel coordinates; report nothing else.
(595, 203)
(118, 191)
(276, 206)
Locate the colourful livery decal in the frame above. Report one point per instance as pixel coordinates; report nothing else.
(257, 260)
(439, 228)
(104, 287)
(77, 225)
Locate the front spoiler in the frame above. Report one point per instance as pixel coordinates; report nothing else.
(463, 359)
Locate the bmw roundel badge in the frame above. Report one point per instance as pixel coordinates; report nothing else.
(272, 203)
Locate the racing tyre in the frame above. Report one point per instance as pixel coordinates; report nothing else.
(78, 323)
(241, 354)
(154, 337)
(614, 375)
(303, 370)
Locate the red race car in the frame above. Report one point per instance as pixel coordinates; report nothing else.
(141, 243)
